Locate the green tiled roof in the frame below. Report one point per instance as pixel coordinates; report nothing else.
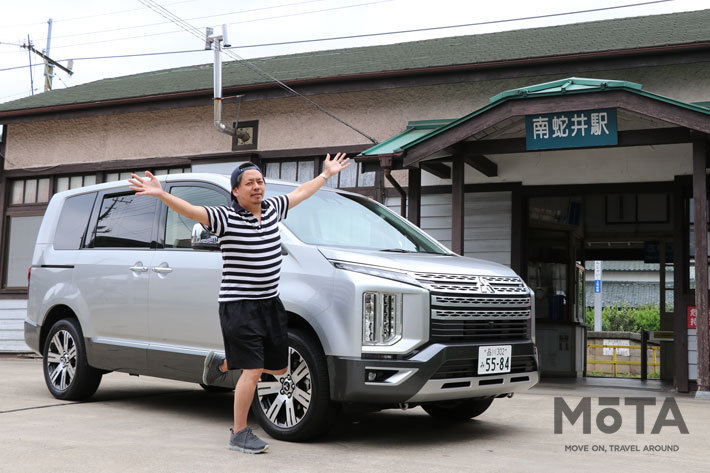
(414, 131)
(590, 37)
(571, 85)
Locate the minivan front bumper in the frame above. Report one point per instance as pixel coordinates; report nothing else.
(436, 373)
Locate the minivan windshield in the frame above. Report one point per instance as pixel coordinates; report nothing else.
(333, 219)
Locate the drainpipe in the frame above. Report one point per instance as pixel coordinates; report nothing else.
(218, 99)
(402, 193)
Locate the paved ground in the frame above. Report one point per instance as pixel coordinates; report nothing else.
(147, 424)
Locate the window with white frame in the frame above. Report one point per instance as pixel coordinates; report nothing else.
(303, 171)
(30, 191)
(123, 175)
(64, 183)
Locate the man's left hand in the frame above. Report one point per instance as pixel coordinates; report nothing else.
(333, 166)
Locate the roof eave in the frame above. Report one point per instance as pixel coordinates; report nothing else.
(368, 75)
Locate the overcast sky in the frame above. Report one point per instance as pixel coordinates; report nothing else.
(93, 28)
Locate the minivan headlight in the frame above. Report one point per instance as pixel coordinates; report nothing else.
(377, 272)
(381, 318)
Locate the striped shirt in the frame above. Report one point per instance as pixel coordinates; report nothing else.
(251, 252)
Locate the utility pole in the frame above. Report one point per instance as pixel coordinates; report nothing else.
(29, 53)
(49, 62)
(48, 68)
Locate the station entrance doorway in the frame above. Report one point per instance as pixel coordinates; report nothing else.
(630, 232)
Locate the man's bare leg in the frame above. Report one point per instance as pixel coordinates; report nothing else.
(243, 395)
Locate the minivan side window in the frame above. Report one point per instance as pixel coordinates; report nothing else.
(178, 228)
(73, 221)
(125, 221)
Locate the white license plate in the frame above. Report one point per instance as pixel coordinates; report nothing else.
(494, 359)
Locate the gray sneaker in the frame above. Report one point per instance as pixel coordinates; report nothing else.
(211, 374)
(245, 441)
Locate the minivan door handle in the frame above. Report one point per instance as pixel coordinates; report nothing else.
(138, 267)
(163, 268)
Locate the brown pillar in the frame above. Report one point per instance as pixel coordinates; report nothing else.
(701, 258)
(457, 212)
(4, 199)
(680, 263)
(415, 196)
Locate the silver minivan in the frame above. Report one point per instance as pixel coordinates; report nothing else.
(380, 314)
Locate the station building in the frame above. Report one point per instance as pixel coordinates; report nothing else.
(541, 149)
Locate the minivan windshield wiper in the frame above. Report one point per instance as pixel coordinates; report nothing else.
(401, 250)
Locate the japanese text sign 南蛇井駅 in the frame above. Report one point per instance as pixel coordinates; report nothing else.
(580, 129)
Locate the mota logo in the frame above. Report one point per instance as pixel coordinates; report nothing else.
(668, 416)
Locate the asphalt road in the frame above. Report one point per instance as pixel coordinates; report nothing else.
(153, 425)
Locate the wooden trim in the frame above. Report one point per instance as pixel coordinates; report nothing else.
(440, 170)
(100, 166)
(415, 196)
(700, 151)
(307, 152)
(627, 187)
(457, 204)
(519, 107)
(494, 70)
(380, 189)
(680, 278)
(12, 294)
(481, 164)
(175, 161)
(518, 223)
(468, 188)
(4, 199)
(3, 147)
(224, 158)
(4, 195)
(551, 190)
(26, 210)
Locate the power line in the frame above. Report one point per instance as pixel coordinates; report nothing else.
(335, 38)
(194, 31)
(91, 16)
(234, 23)
(481, 23)
(188, 19)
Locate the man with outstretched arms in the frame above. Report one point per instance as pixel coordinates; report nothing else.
(252, 317)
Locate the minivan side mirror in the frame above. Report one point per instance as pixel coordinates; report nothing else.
(202, 239)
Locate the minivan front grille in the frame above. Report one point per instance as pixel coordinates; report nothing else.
(479, 330)
(468, 368)
(481, 308)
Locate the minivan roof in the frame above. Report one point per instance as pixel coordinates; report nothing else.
(209, 177)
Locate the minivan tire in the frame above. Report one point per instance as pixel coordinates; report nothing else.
(66, 371)
(457, 410)
(291, 389)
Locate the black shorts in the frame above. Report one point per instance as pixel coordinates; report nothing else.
(255, 333)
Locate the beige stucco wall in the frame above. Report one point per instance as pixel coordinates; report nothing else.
(291, 123)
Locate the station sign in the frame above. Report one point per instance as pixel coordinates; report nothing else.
(580, 129)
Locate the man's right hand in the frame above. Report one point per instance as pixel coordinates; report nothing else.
(148, 186)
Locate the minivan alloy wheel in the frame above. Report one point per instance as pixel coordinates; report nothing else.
(285, 399)
(61, 360)
(66, 369)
